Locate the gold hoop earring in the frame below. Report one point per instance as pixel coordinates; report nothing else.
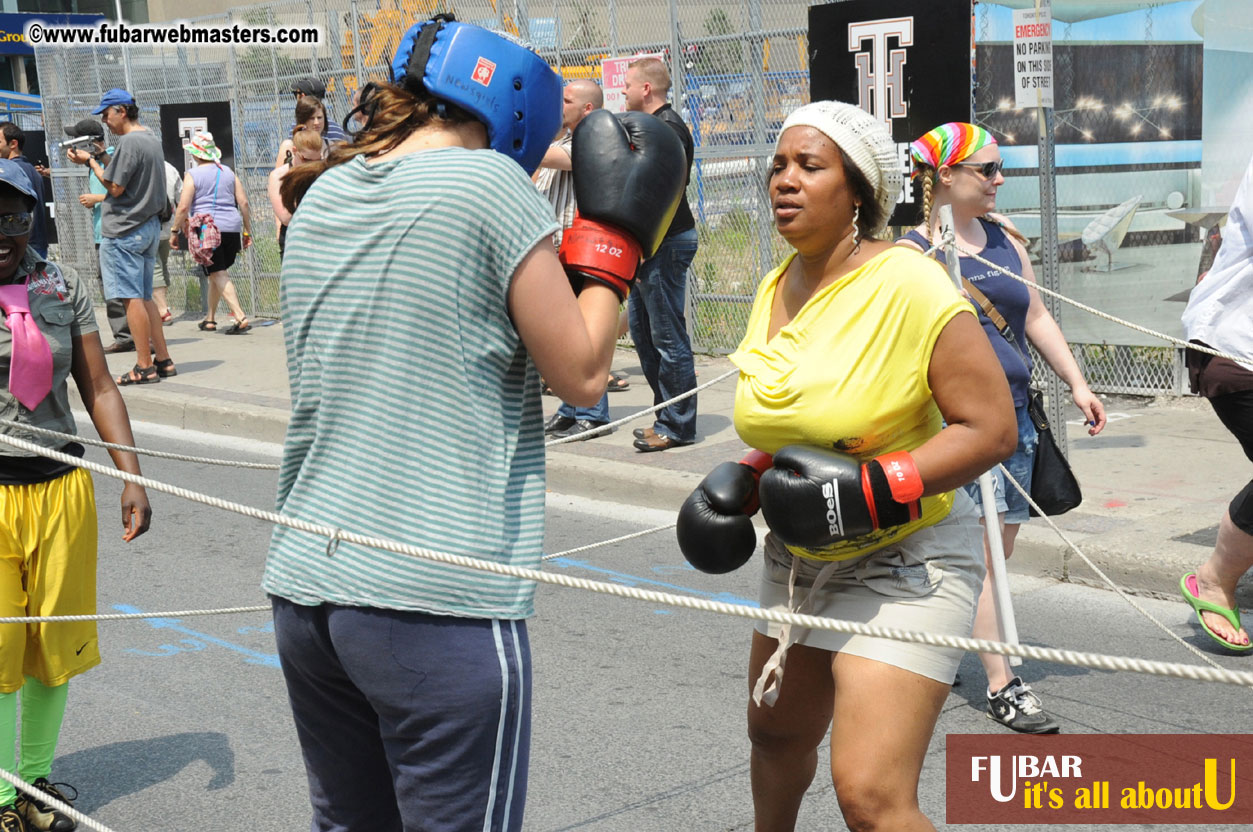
(856, 229)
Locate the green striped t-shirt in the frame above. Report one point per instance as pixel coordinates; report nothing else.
(415, 408)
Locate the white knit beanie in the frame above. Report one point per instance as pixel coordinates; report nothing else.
(864, 139)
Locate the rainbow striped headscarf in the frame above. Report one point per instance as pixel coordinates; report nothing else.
(948, 144)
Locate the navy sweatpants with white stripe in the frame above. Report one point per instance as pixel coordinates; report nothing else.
(408, 722)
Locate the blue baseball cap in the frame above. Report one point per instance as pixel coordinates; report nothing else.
(11, 174)
(116, 97)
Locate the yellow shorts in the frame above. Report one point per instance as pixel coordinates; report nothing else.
(48, 567)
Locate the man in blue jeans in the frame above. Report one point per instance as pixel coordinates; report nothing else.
(555, 180)
(656, 309)
(130, 227)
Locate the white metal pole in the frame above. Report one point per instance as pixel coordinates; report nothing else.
(996, 547)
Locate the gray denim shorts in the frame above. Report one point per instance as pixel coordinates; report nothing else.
(929, 582)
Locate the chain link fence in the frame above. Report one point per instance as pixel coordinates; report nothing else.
(738, 66)
(1128, 133)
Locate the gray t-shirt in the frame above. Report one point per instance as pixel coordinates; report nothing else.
(138, 165)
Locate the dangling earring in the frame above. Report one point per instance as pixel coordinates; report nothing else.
(856, 229)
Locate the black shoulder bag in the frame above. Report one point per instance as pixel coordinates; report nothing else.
(1053, 485)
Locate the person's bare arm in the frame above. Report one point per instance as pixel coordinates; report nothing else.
(1046, 336)
(971, 391)
(245, 213)
(103, 402)
(570, 339)
(557, 158)
(272, 184)
(183, 210)
(82, 157)
(283, 148)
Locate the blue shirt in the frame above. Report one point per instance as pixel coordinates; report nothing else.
(1010, 297)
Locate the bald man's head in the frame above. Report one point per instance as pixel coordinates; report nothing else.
(578, 99)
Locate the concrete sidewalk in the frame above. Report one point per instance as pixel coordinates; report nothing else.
(1155, 481)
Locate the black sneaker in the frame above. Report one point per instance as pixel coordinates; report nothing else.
(41, 816)
(11, 819)
(1017, 707)
(583, 429)
(557, 423)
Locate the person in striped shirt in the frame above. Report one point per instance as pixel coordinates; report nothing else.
(420, 294)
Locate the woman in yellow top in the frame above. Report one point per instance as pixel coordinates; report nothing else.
(856, 354)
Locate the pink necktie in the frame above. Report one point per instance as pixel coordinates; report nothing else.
(30, 368)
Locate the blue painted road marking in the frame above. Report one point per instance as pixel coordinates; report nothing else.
(197, 642)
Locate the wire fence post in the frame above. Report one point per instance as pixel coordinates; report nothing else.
(356, 46)
(762, 224)
(1050, 270)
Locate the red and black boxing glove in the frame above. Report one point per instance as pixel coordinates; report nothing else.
(629, 170)
(814, 497)
(714, 530)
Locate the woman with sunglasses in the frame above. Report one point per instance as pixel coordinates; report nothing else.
(48, 530)
(960, 165)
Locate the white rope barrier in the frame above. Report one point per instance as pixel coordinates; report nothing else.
(950, 242)
(100, 443)
(610, 541)
(1049, 654)
(135, 616)
(48, 800)
(1091, 310)
(131, 616)
(1101, 574)
(606, 428)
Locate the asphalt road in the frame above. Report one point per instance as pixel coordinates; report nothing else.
(639, 710)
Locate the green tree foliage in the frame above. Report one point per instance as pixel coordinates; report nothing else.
(723, 57)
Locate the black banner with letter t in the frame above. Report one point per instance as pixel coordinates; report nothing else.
(909, 62)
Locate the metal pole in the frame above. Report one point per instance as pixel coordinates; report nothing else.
(1050, 268)
(126, 61)
(613, 27)
(756, 73)
(992, 527)
(522, 17)
(676, 60)
(313, 50)
(356, 47)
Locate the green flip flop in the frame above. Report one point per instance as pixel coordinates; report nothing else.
(1186, 584)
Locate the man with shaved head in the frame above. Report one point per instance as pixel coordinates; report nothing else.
(556, 181)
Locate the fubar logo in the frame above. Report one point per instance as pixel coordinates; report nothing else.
(1100, 779)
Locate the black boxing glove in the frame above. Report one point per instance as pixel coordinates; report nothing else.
(629, 170)
(714, 529)
(814, 497)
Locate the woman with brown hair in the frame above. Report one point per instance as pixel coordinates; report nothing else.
(310, 115)
(960, 165)
(307, 146)
(421, 286)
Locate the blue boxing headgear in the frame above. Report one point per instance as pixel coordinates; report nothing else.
(503, 84)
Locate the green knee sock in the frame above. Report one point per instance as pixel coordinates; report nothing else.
(8, 744)
(43, 708)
